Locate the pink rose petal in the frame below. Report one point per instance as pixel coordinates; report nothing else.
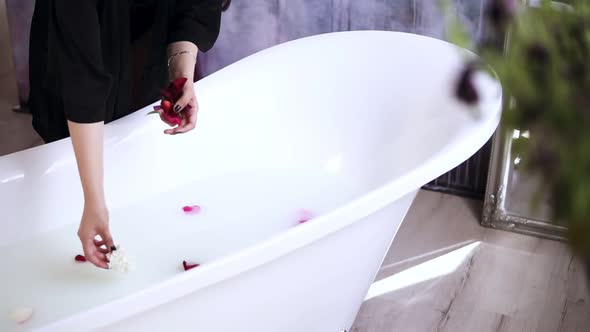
(21, 315)
(191, 209)
(305, 216)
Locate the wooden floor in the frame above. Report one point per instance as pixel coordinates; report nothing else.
(444, 272)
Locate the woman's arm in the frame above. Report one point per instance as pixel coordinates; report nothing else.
(84, 86)
(194, 27)
(87, 140)
(196, 21)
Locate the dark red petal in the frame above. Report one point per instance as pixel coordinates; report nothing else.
(166, 105)
(179, 83)
(174, 90)
(167, 95)
(157, 108)
(172, 117)
(176, 95)
(80, 258)
(176, 87)
(188, 266)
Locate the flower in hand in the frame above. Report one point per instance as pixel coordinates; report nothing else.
(178, 107)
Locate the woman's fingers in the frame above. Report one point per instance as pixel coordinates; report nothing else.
(187, 107)
(189, 121)
(187, 95)
(93, 255)
(96, 253)
(104, 250)
(107, 238)
(102, 247)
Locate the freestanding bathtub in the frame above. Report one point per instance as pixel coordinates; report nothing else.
(348, 125)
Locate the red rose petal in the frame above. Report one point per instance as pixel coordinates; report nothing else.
(305, 216)
(80, 258)
(188, 266)
(191, 209)
(172, 118)
(178, 84)
(167, 95)
(166, 106)
(170, 95)
(157, 107)
(174, 90)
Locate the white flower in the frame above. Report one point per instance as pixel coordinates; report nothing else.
(120, 261)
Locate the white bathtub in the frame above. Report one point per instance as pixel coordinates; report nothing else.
(349, 125)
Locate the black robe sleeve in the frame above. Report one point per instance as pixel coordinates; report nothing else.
(84, 82)
(196, 21)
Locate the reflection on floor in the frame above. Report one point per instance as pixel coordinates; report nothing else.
(444, 272)
(16, 131)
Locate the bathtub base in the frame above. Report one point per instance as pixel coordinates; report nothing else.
(318, 288)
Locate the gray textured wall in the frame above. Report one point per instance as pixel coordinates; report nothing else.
(252, 25)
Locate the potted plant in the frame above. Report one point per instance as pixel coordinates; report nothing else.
(540, 50)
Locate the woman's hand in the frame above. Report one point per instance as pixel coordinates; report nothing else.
(182, 64)
(188, 102)
(95, 221)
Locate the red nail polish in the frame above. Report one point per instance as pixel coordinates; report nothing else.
(80, 258)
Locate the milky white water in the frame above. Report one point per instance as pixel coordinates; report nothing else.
(238, 211)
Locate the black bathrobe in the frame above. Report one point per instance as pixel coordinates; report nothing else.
(82, 57)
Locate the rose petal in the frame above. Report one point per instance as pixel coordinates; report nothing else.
(305, 216)
(157, 107)
(179, 82)
(80, 258)
(174, 90)
(172, 118)
(191, 209)
(167, 95)
(21, 314)
(188, 266)
(166, 105)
